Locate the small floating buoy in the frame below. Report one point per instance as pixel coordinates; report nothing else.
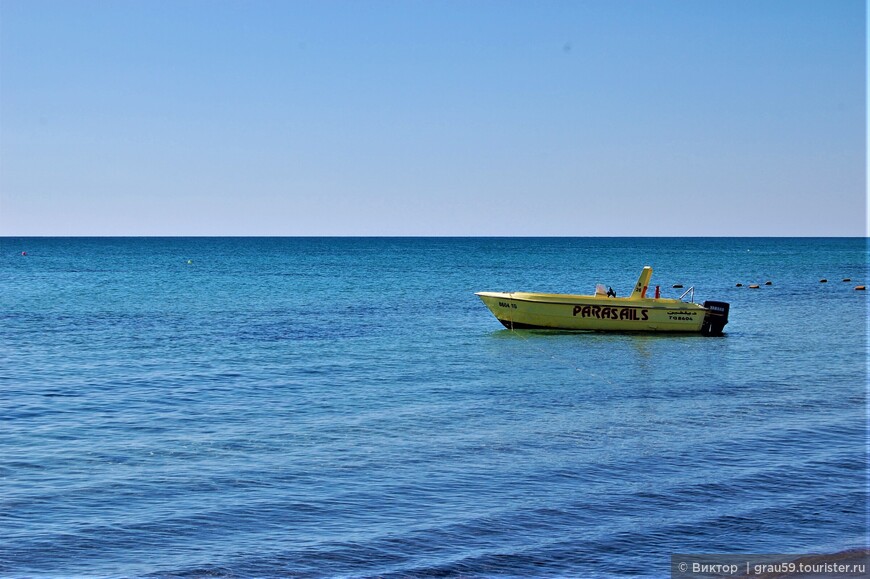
(753, 286)
(678, 286)
(768, 283)
(739, 285)
(860, 287)
(189, 261)
(823, 280)
(23, 253)
(847, 279)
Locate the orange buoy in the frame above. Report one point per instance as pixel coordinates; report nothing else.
(860, 287)
(753, 286)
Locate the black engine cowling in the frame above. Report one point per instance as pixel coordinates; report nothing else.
(715, 318)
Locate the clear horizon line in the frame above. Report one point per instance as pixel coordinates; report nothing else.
(350, 236)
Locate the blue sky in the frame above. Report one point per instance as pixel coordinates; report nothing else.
(473, 117)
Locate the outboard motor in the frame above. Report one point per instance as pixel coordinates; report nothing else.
(715, 318)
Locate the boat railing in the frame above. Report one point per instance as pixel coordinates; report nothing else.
(691, 290)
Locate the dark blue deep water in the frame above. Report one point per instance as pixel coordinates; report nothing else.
(239, 407)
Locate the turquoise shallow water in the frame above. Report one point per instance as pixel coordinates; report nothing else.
(347, 407)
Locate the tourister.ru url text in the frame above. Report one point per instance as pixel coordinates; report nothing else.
(855, 564)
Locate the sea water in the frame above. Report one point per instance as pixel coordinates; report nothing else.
(253, 407)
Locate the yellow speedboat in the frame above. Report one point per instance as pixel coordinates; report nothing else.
(605, 312)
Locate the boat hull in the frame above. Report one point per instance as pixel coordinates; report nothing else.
(601, 313)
